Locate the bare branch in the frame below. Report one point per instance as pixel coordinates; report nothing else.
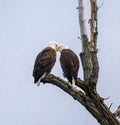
(93, 43)
(110, 105)
(92, 102)
(74, 92)
(83, 29)
(82, 20)
(93, 25)
(101, 5)
(117, 112)
(106, 98)
(85, 55)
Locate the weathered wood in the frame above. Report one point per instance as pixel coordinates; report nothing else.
(85, 92)
(85, 55)
(89, 98)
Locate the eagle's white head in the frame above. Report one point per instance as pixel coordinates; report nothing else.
(53, 44)
(61, 47)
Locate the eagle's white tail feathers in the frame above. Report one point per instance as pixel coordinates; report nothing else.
(73, 81)
(38, 82)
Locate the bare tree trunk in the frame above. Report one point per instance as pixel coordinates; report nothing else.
(88, 97)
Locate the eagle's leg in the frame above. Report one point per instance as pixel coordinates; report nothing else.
(73, 83)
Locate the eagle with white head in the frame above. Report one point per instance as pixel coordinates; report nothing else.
(44, 62)
(69, 63)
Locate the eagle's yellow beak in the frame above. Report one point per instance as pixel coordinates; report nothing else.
(56, 48)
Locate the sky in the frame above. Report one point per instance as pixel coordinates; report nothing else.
(26, 27)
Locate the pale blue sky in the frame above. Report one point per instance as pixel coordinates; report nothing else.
(26, 26)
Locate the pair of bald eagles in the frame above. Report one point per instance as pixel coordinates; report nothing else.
(46, 59)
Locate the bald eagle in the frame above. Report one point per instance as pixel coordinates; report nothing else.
(69, 63)
(44, 62)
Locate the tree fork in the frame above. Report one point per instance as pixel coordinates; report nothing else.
(90, 100)
(85, 92)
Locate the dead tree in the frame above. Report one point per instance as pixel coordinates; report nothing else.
(87, 95)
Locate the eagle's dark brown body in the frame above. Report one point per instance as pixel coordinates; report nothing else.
(70, 64)
(44, 63)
